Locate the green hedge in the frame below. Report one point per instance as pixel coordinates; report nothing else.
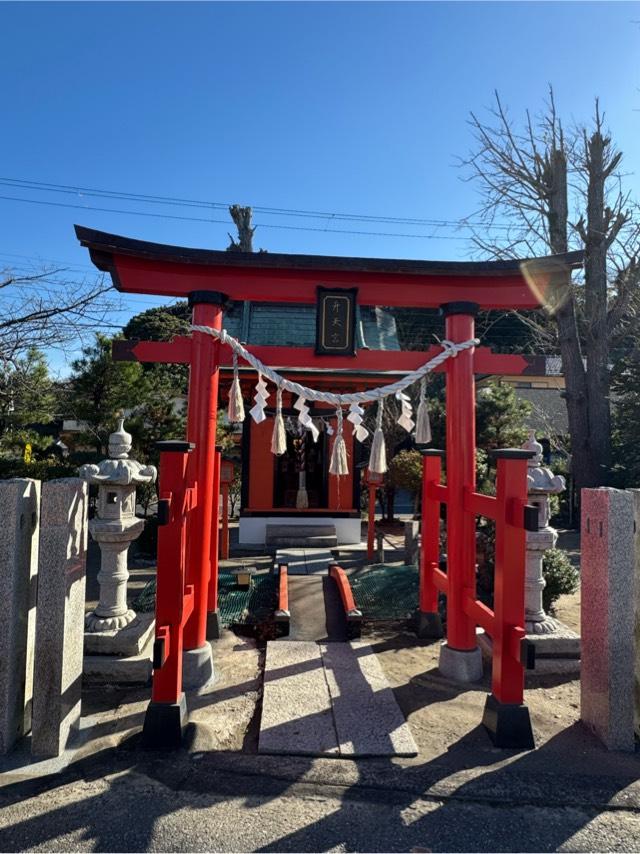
(560, 575)
(38, 470)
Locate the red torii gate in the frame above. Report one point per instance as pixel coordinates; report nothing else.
(208, 278)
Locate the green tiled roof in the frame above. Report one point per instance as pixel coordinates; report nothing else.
(378, 328)
(294, 325)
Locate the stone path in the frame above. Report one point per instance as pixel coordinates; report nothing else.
(305, 561)
(330, 699)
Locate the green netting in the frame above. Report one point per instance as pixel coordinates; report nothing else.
(385, 592)
(255, 605)
(146, 599)
(235, 605)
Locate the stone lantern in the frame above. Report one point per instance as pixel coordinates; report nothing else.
(542, 483)
(557, 646)
(114, 529)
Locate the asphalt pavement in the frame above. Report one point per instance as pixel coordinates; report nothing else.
(125, 799)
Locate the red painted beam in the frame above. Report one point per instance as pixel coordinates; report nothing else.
(437, 492)
(480, 505)
(148, 276)
(479, 613)
(441, 580)
(178, 351)
(484, 362)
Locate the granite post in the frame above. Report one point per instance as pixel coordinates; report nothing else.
(608, 618)
(60, 615)
(19, 510)
(411, 531)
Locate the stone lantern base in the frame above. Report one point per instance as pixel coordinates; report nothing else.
(558, 650)
(120, 655)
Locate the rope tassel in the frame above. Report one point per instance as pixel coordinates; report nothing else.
(235, 410)
(279, 436)
(338, 464)
(378, 456)
(423, 425)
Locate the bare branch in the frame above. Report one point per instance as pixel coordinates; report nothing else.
(44, 309)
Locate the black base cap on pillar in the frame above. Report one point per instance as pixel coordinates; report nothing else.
(508, 725)
(214, 626)
(164, 725)
(429, 624)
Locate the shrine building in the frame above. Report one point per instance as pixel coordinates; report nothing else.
(271, 484)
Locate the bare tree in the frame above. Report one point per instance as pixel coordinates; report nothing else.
(242, 218)
(546, 191)
(46, 309)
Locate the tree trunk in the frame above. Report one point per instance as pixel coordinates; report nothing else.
(391, 502)
(597, 333)
(242, 219)
(584, 471)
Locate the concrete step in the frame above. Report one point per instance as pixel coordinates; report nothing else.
(304, 542)
(304, 561)
(311, 536)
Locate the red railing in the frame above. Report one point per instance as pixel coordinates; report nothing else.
(352, 613)
(513, 517)
(282, 612)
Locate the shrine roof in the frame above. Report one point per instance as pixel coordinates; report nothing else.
(102, 245)
(294, 325)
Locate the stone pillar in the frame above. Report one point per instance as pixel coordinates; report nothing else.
(60, 615)
(19, 510)
(557, 646)
(537, 620)
(114, 538)
(608, 616)
(411, 530)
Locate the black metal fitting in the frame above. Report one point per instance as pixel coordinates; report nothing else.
(448, 309)
(207, 298)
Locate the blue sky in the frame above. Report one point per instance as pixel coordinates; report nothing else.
(335, 107)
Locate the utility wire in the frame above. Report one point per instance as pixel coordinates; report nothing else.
(225, 222)
(26, 184)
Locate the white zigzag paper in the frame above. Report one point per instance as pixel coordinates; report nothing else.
(355, 417)
(405, 420)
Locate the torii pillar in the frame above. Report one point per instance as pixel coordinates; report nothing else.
(460, 656)
(201, 430)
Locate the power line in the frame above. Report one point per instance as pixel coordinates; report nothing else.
(225, 222)
(27, 184)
